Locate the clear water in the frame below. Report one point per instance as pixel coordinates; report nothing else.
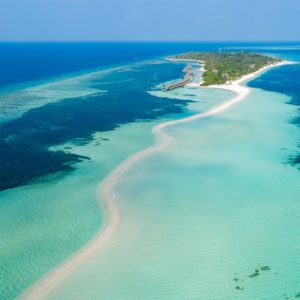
(201, 216)
(28, 63)
(221, 200)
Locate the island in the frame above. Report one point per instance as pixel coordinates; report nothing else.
(223, 67)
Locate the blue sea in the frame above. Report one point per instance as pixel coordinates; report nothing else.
(198, 218)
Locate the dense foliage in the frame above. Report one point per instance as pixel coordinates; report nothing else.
(222, 67)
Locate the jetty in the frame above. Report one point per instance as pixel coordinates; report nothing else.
(188, 77)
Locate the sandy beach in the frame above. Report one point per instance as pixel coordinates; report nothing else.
(106, 196)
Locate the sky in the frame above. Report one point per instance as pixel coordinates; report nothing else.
(149, 20)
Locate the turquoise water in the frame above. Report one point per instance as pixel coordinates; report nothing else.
(216, 204)
(201, 216)
(14, 103)
(61, 214)
(44, 222)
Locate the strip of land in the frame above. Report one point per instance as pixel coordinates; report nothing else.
(188, 78)
(225, 67)
(106, 195)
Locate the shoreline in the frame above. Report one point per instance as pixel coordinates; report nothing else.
(201, 62)
(106, 196)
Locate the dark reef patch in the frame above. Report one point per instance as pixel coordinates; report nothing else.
(25, 142)
(239, 282)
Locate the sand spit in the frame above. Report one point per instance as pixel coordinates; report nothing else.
(106, 195)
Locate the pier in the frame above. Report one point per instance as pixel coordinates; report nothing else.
(188, 77)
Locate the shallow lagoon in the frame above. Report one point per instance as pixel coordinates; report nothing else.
(195, 217)
(200, 217)
(45, 222)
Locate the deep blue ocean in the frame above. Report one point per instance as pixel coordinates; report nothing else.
(24, 62)
(24, 141)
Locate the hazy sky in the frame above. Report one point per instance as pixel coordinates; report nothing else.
(149, 20)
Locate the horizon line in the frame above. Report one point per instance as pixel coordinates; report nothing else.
(150, 41)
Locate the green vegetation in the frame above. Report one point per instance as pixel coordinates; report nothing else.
(265, 268)
(222, 67)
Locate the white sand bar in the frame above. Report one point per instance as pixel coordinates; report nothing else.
(105, 190)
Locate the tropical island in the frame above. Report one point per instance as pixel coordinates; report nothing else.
(222, 67)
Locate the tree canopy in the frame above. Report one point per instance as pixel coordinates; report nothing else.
(222, 67)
